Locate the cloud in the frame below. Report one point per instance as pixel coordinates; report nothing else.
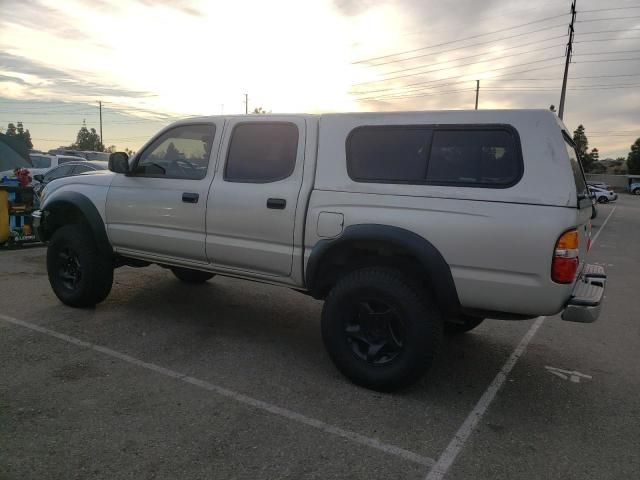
(61, 81)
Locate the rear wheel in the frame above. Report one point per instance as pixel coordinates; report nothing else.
(636, 191)
(378, 331)
(192, 276)
(79, 274)
(603, 200)
(461, 324)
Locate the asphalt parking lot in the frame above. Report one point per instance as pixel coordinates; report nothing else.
(230, 380)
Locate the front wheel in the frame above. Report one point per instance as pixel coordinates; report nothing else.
(636, 191)
(191, 276)
(603, 200)
(379, 332)
(79, 274)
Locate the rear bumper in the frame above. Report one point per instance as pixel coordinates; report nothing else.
(587, 296)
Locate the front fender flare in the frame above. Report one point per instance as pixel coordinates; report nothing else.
(87, 209)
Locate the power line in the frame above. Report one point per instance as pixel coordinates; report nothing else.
(479, 73)
(455, 66)
(607, 40)
(570, 78)
(472, 56)
(607, 60)
(589, 20)
(475, 45)
(610, 31)
(421, 85)
(607, 53)
(608, 9)
(458, 40)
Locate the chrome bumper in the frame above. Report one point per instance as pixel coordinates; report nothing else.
(587, 295)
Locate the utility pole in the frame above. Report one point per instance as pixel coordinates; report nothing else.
(246, 103)
(101, 139)
(568, 60)
(477, 92)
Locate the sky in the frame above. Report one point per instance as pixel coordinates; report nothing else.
(151, 62)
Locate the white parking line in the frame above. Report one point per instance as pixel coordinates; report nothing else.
(593, 242)
(450, 453)
(238, 397)
(448, 456)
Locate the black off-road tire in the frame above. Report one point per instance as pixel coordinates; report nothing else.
(462, 324)
(74, 247)
(191, 276)
(420, 319)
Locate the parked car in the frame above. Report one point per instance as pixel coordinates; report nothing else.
(83, 154)
(601, 185)
(603, 196)
(67, 169)
(405, 224)
(42, 163)
(634, 188)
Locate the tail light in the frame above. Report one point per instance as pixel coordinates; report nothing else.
(565, 258)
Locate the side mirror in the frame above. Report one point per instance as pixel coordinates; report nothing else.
(38, 178)
(119, 162)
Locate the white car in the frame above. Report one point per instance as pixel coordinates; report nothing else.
(602, 195)
(42, 163)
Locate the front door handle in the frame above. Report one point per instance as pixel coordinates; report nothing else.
(277, 203)
(189, 197)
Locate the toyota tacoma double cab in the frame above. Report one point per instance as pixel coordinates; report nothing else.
(406, 224)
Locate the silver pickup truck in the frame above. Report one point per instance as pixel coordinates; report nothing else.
(407, 224)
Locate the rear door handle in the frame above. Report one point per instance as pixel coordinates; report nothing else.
(277, 203)
(189, 197)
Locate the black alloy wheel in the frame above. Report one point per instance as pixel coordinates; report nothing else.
(375, 331)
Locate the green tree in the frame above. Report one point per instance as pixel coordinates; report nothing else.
(88, 139)
(25, 135)
(20, 134)
(259, 110)
(633, 159)
(582, 146)
(173, 153)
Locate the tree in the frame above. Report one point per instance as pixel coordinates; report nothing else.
(88, 139)
(25, 135)
(20, 134)
(597, 167)
(259, 110)
(582, 145)
(111, 149)
(594, 157)
(633, 159)
(172, 152)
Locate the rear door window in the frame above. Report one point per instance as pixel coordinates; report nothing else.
(262, 152)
